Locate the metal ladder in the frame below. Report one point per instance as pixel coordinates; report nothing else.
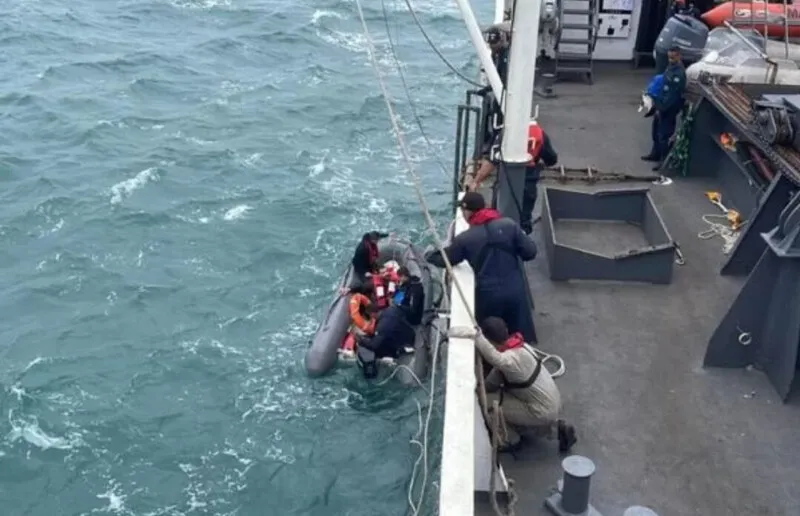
(574, 49)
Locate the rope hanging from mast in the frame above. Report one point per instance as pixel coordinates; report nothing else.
(495, 416)
(433, 230)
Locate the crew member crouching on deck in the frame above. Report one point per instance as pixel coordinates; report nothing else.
(493, 246)
(528, 396)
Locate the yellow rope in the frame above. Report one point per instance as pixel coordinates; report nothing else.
(432, 227)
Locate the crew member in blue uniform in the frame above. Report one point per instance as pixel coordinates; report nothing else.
(668, 105)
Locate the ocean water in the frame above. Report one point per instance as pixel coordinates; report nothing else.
(181, 184)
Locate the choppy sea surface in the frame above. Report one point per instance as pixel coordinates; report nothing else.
(181, 184)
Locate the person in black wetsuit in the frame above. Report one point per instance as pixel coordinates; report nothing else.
(410, 296)
(393, 333)
(365, 259)
(493, 246)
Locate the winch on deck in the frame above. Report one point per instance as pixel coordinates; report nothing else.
(778, 119)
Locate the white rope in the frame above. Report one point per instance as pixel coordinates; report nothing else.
(430, 222)
(722, 229)
(422, 429)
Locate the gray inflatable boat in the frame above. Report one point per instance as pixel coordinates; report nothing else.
(324, 351)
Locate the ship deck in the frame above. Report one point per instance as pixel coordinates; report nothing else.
(663, 432)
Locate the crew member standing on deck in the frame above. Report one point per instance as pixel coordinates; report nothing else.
(520, 383)
(499, 45)
(493, 246)
(668, 104)
(542, 154)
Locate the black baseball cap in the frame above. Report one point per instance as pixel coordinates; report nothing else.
(493, 36)
(472, 201)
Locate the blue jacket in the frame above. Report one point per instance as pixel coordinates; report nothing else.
(654, 87)
(670, 96)
(493, 250)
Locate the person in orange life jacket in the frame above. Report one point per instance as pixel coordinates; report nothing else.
(493, 246)
(410, 296)
(542, 154)
(520, 383)
(386, 284)
(365, 258)
(362, 310)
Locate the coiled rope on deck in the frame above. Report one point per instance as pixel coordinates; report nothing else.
(497, 419)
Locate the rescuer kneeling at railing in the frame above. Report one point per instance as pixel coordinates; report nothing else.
(529, 398)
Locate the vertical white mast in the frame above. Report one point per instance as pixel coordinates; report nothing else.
(481, 48)
(521, 76)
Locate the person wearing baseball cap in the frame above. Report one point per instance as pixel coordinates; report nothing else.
(500, 54)
(493, 246)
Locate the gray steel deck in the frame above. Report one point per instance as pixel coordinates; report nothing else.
(663, 432)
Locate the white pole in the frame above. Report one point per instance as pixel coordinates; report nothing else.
(499, 10)
(521, 75)
(481, 48)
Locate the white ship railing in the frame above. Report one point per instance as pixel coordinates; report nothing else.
(466, 449)
(457, 477)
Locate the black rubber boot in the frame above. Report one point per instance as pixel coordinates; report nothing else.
(566, 436)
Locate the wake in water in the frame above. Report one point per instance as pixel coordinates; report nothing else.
(183, 184)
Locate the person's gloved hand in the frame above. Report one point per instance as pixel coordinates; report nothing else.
(462, 332)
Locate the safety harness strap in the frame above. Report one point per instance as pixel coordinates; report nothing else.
(507, 385)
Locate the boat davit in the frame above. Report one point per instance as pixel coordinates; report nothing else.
(332, 336)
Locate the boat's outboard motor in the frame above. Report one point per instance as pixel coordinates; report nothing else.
(682, 31)
(367, 361)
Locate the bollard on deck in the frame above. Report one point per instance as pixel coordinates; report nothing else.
(639, 510)
(572, 497)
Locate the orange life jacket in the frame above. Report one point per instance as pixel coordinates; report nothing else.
(358, 305)
(385, 286)
(535, 142)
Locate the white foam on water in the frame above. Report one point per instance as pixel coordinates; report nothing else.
(124, 189)
(249, 161)
(317, 168)
(199, 4)
(237, 212)
(116, 501)
(33, 434)
(320, 14)
(36, 361)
